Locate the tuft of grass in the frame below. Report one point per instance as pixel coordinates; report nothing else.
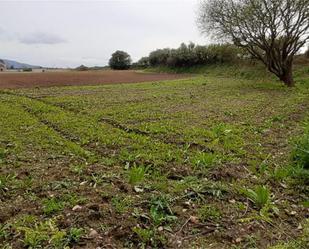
(209, 213)
(300, 153)
(137, 174)
(300, 156)
(53, 205)
(260, 196)
(78, 169)
(6, 181)
(37, 235)
(121, 204)
(144, 235)
(3, 153)
(204, 160)
(74, 235)
(161, 212)
(282, 173)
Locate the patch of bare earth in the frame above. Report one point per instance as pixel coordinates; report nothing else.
(74, 78)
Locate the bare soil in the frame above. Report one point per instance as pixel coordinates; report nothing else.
(73, 78)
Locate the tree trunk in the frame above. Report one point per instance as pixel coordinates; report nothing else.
(287, 76)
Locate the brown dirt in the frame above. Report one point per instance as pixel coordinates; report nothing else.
(74, 78)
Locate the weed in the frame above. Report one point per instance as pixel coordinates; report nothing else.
(37, 235)
(3, 153)
(4, 231)
(137, 174)
(159, 181)
(301, 152)
(260, 196)
(74, 235)
(160, 211)
(6, 181)
(144, 235)
(34, 237)
(77, 169)
(209, 213)
(52, 205)
(306, 204)
(204, 160)
(121, 204)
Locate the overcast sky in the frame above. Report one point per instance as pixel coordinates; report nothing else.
(69, 33)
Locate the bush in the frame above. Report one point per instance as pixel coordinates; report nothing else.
(225, 53)
(192, 55)
(142, 63)
(27, 70)
(120, 60)
(159, 57)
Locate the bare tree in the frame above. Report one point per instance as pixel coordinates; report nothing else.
(272, 31)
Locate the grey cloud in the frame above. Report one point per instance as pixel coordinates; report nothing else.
(5, 35)
(41, 38)
(93, 30)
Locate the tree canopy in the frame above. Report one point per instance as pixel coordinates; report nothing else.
(120, 60)
(272, 31)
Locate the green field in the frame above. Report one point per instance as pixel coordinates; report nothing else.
(204, 162)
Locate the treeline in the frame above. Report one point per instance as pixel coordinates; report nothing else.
(188, 55)
(192, 55)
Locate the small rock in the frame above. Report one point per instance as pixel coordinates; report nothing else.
(238, 240)
(194, 219)
(160, 229)
(293, 213)
(77, 208)
(188, 203)
(93, 233)
(138, 189)
(232, 201)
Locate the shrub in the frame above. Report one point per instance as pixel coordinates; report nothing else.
(143, 62)
(192, 55)
(223, 53)
(183, 56)
(159, 57)
(120, 60)
(27, 70)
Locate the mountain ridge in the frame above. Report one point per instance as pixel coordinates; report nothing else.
(11, 64)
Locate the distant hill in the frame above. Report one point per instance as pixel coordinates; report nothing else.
(18, 65)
